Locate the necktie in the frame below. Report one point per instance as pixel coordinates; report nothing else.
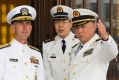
(63, 45)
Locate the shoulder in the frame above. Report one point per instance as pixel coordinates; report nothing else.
(49, 40)
(75, 39)
(49, 43)
(5, 45)
(34, 48)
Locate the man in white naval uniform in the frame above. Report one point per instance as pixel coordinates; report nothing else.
(91, 61)
(18, 60)
(56, 60)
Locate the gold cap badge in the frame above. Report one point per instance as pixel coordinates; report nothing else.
(24, 11)
(76, 14)
(59, 9)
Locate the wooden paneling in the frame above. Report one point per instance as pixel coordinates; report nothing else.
(113, 73)
(43, 25)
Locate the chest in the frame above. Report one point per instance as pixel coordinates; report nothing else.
(21, 60)
(88, 55)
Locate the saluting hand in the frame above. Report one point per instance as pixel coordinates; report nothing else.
(102, 31)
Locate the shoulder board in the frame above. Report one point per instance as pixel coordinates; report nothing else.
(32, 47)
(49, 40)
(75, 45)
(5, 45)
(97, 40)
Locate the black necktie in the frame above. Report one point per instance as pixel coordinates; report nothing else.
(81, 47)
(63, 45)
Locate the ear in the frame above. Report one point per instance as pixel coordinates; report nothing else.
(95, 26)
(70, 23)
(13, 28)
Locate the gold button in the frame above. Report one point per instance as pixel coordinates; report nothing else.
(25, 63)
(65, 79)
(27, 76)
(64, 61)
(23, 51)
(74, 73)
(14, 66)
(75, 65)
(64, 69)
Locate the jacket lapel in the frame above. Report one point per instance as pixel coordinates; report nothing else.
(73, 42)
(88, 47)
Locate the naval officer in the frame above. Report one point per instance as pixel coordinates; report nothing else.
(56, 51)
(18, 60)
(91, 57)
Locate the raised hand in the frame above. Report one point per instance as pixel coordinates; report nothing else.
(102, 31)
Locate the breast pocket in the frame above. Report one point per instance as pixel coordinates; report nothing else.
(55, 62)
(33, 70)
(12, 67)
(13, 63)
(53, 57)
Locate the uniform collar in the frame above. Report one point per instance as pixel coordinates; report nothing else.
(18, 45)
(92, 40)
(67, 39)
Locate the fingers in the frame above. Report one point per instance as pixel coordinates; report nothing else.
(102, 30)
(100, 25)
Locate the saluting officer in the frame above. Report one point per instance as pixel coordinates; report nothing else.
(18, 60)
(56, 52)
(90, 58)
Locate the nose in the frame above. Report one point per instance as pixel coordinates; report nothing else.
(25, 26)
(61, 24)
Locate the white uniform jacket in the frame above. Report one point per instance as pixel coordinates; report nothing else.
(20, 62)
(92, 61)
(55, 62)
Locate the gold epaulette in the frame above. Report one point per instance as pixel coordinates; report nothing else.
(49, 40)
(5, 45)
(34, 48)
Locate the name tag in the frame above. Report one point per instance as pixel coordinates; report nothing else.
(52, 56)
(13, 60)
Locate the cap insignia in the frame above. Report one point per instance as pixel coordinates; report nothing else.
(24, 11)
(76, 14)
(59, 9)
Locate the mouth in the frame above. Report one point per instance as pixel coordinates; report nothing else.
(81, 37)
(60, 30)
(24, 32)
